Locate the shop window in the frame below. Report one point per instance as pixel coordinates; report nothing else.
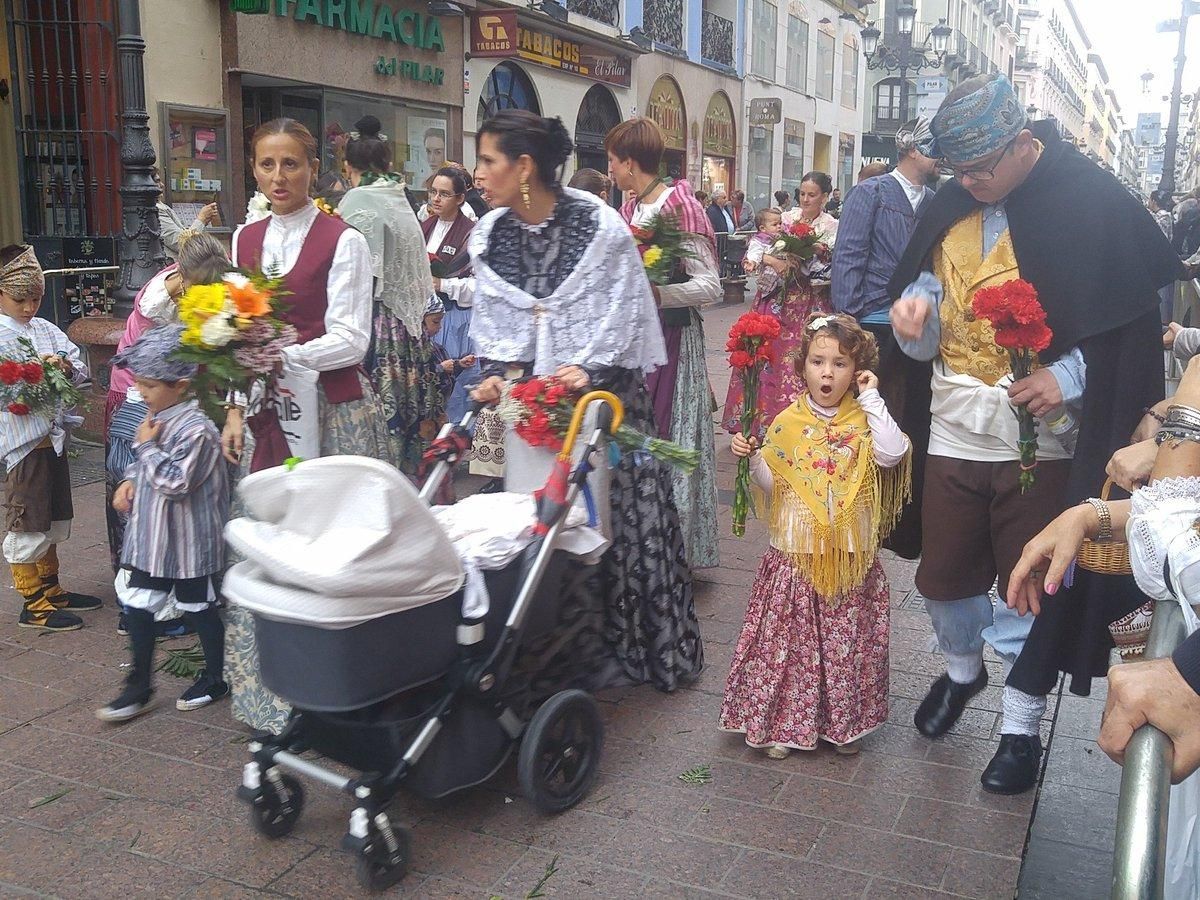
(793, 154)
(765, 38)
(195, 154)
(825, 54)
(508, 87)
(759, 189)
(797, 54)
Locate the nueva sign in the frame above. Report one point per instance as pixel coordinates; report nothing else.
(368, 18)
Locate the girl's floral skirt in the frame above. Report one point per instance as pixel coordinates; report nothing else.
(806, 669)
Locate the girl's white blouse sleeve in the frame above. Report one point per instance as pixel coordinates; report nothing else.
(890, 443)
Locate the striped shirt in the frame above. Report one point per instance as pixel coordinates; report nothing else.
(20, 434)
(180, 498)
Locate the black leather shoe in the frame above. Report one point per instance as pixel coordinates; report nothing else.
(944, 704)
(1014, 768)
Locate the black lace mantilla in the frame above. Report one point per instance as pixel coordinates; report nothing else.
(537, 259)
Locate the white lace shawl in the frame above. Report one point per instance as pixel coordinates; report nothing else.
(1164, 540)
(603, 314)
(381, 212)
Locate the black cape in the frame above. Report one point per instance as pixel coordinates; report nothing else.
(1097, 259)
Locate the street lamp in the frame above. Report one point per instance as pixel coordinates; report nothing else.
(905, 57)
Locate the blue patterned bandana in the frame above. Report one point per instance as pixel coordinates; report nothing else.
(978, 124)
(150, 356)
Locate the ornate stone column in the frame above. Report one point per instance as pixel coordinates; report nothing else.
(140, 249)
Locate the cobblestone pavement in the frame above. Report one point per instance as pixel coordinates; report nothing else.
(148, 809)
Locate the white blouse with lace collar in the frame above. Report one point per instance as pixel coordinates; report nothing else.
(348, 289)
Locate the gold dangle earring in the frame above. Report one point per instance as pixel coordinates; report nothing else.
(525, 193)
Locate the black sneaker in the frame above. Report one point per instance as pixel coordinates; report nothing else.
(122, 629)
(73, 602)
(202, 693)
(49, 620)
(132, 703)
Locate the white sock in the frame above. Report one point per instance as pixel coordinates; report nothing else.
(1022, 712)
(963, 667)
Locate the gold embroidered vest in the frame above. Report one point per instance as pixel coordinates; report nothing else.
(968, 346)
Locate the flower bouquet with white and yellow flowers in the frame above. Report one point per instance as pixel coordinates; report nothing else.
(232, 330)
(661, 243)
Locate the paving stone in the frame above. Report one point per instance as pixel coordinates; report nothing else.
(762, 874)
(667, 854)
(54, 804)
(758, 827)
(964, 826)
(922, 779)
(1054, 870)
(1081, 763)
(573, 877)
(1074, 815)
(882, 853)
(831, 800)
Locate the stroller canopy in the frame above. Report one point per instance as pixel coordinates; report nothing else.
(337, 541)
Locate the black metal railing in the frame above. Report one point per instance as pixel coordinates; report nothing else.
(716, 39)
(606, 11)
(663, 22)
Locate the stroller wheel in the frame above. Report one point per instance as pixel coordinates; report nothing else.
(560, 751)
(377, 867)
(272, 813)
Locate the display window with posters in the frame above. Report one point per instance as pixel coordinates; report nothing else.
(195, 161)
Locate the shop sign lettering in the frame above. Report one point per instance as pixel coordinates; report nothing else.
(718, 127)
(492, 35)
(666, 108)
(369, 18)
(407, 68)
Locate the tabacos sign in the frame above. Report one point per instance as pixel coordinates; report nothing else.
(369, 18)
(497, 33)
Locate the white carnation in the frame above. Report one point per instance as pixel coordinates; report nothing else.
(217, 331)
(236, 279)
(258, 208)
(777, 248)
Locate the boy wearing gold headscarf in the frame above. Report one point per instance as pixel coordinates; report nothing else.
(37, 488)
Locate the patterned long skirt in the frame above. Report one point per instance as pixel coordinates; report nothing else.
(650, 625)
(692, 426)
(406, 380)
(806, 668)
(781, 382)
(347, 429)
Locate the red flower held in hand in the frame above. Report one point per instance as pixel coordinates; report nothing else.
(740, 359)
(32, 372)
(800, 229)
(18, 409)
(11, 372)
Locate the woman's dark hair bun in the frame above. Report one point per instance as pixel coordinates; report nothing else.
(559, 140)
(368, 126)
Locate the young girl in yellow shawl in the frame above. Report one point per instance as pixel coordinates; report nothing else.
(812, 659)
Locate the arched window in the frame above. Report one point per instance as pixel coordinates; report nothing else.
(888, 113)
(508, 87)
(597, 115)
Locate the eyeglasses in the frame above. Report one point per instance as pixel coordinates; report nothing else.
(442, 195)
(980, 174)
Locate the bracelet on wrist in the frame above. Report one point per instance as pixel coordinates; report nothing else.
(1105, 533)
(1157, 416)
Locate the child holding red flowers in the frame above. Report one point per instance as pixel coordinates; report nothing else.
(37, 488)
(811, 663)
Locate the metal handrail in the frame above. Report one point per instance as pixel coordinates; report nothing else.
(1140, 851)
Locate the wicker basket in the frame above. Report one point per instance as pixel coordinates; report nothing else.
(1109, 557)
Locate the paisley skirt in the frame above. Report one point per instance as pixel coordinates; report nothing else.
(347, 429)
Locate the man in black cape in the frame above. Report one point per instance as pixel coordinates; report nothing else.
(1024, 204)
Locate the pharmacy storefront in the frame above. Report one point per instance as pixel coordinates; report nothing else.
(327, 64)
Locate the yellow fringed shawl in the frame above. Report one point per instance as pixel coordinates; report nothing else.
(832, 505)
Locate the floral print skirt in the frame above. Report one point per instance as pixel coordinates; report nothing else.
(347, 429)
(780, 382)
(806, 669)
(406, 379)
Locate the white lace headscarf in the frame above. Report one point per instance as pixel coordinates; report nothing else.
(603, 314)
(382, 213)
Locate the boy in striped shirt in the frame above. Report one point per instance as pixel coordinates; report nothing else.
(176, 494)
(37, 486)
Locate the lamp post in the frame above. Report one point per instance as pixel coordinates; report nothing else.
(140, 249)
(1187, 8)
(906, 57)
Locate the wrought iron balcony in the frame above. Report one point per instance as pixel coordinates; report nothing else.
(663, 22)
(716, 39)
(606, 11)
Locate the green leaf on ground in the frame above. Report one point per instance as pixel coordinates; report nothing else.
(185, 663)
(697, 775)
(49, 798)
(551, 871)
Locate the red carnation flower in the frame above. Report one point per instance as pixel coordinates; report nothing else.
(641, 235)
(10, 372)
(740, 359)
(800, 229)
(32, 372)
(18, 409)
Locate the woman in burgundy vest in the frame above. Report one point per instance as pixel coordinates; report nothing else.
(326, 270)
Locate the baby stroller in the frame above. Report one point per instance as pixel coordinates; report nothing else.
(416, 691)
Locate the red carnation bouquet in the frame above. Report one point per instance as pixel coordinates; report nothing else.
(803, 242)
(1017, 317)
(29, 385)
(749, 351)
(539, 410)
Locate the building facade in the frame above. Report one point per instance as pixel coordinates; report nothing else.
(1051, 74)
(804, 63)
(983, 40)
